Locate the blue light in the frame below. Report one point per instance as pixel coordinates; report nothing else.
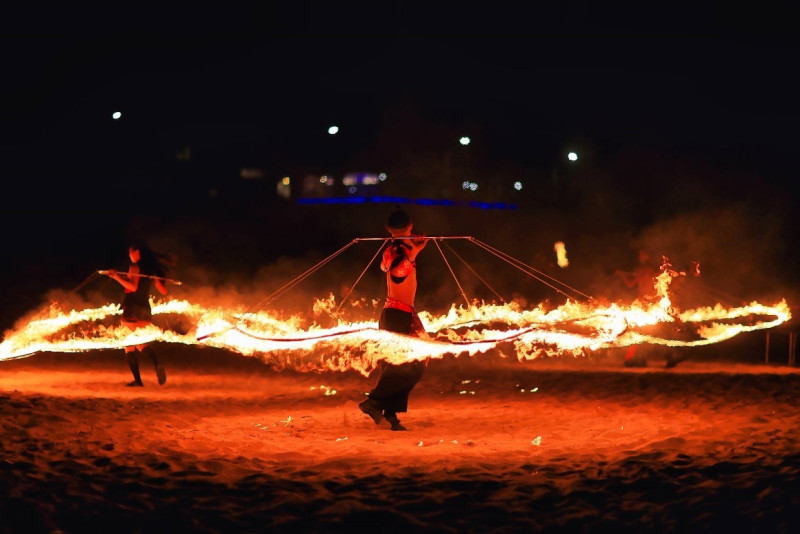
(403, 200)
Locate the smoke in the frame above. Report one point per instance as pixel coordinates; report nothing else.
(738, 249)
(285, 258)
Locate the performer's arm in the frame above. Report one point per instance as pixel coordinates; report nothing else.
(386, 260)
(162, 288)
(416, 246)
(133, 278)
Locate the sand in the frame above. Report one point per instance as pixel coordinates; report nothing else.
(230, 445)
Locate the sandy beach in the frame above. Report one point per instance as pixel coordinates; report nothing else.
(231, 445)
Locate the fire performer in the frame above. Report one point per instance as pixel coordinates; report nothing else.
(643, 279)
(147, 268)
(390, 394)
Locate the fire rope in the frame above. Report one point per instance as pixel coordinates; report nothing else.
(384, 240)
(282, 290)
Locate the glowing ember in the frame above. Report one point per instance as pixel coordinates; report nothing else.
(561, 254)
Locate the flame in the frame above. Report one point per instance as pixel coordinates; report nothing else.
(572, 328)
(561, 254)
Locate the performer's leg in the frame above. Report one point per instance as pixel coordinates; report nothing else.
(390, 394)
(133, 363)
(395, 383)
(394, 421)
(372, 409)
(162, 375)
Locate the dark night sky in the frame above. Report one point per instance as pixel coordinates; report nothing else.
(700, 96)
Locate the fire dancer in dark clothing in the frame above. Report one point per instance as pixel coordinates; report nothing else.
(643, 278)
(147, 268)
(390, 394)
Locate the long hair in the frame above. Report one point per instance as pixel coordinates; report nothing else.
(153, 263)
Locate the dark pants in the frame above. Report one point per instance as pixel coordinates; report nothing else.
(395, 383)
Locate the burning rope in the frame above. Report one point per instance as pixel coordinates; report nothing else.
(330, 335)
(280, 291)
(301, 339)
(569, 328)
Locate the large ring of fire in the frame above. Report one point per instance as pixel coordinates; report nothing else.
(575, 329)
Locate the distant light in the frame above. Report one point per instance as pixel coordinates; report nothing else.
(572, 156)
(116, 115)
(352, 189)
(473, 186)
(382, 177)
(250, 174)
(284, 190)
(323, 179)
(464, 140)
(333, 130)
(518, 186)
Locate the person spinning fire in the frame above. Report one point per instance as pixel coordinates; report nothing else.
(390, 394)
(147, 268)
(643, 278)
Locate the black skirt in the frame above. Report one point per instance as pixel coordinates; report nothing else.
(135, 308)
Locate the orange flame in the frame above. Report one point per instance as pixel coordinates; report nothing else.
(561, 254)
(570, 329)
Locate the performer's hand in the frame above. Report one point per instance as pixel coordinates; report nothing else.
(111, 272)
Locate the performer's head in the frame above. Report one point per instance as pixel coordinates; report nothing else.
(135, 250)
(399, 223)
(150, 261)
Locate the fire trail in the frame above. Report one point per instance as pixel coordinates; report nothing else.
(577, 328)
